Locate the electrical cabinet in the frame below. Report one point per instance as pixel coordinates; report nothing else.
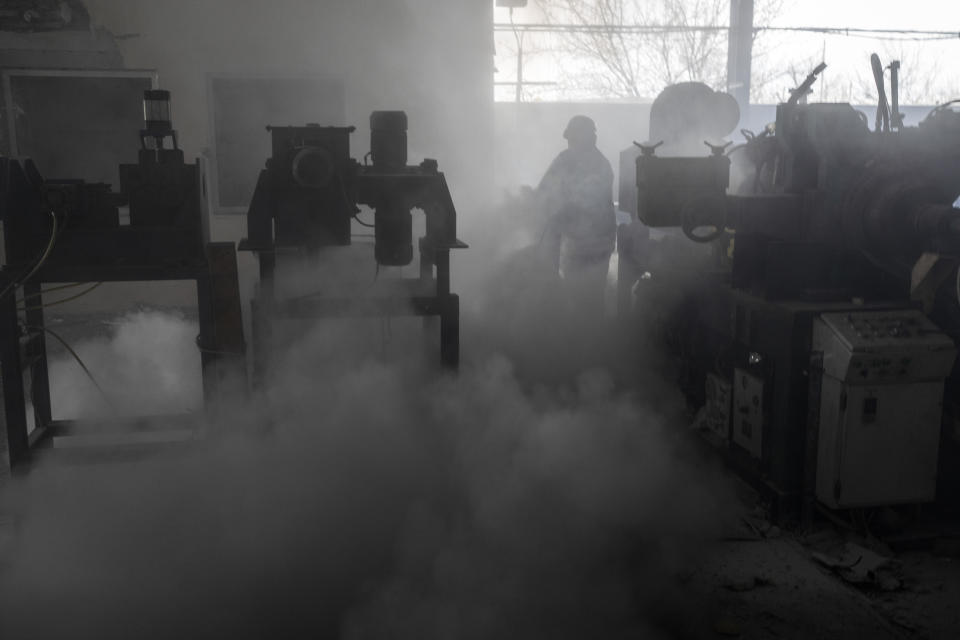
(881, 403)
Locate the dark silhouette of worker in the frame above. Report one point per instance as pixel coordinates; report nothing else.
(577, 193)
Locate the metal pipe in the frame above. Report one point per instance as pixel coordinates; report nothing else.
(896, 116)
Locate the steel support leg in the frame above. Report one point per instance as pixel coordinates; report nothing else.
(37, 357)
(450, 332)
(11, 371)
(221, 325)
(262, 341)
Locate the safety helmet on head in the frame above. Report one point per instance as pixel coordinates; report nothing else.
(579, 127)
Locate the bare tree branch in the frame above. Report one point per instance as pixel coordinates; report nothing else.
(619, 64)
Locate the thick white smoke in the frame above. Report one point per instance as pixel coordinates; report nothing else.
(364, 496)
(361, 494)
(148, 365)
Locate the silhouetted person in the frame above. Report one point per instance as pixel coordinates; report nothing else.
(577, 192)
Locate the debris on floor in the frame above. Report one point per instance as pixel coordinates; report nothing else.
(863, 567)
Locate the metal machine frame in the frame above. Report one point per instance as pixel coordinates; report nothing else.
(832, 217)
(221, 337)
(70, 231)
(306, 199)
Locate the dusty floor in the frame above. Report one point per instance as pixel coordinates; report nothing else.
(774, 584)
(756, 586)
(760, 582)
(770, 588)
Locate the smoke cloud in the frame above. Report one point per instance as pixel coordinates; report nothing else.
(543, 491)
(363, 494)
(149, 365)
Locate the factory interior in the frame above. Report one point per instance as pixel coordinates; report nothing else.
(339, 319)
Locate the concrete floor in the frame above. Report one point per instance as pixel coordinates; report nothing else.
(761, 582)
(754, 587)
(758, 582)
(772, 589)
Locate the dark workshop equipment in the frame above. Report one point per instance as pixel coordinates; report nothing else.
(305, 201)
(71, 231)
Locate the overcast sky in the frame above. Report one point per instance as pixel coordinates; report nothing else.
(924, 63)
(939, 15)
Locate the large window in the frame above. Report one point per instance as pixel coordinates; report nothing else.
(627, 50)
(75, 124)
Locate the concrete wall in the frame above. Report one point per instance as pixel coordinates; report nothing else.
(432, 59)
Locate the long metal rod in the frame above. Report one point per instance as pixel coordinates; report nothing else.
(740, 53)
(518, 36)
(677, 28)
(525, 83)
(148, 74)
(11, 111)
(896, 118)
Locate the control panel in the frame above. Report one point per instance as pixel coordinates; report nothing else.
(880, 412)
(882, 346)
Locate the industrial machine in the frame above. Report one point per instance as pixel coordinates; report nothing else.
(69, 231)
(827, 252)
(306, 200)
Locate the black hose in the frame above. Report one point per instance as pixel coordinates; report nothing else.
(687, 224)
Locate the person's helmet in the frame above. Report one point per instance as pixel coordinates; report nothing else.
(580, 128)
